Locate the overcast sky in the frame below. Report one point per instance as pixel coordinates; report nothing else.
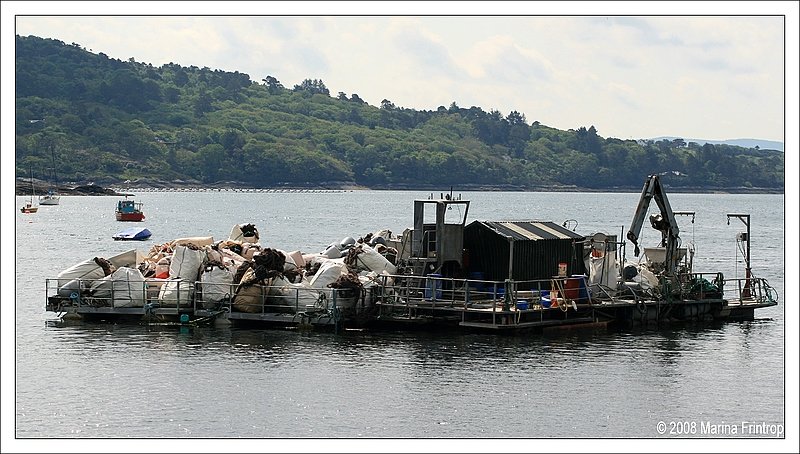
(642, 76)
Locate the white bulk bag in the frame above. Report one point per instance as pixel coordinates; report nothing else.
(371, 279)
(198, 241)
(296, 296)
(129, 258)
(297, 257)
(290, 263)
(370, 260)
(231, 259)
(176, 293)
(237, 235)
(186, 263)
(89, 269)
(86, 269)
(312, 259)
(215, 284)
(74, 286)
(125, 287)
(328, 273)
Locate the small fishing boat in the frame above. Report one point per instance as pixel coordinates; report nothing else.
(128, 210)
(29, 207)
(133, 234)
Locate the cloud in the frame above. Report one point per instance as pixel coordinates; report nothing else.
(561, 70)
(500, 59)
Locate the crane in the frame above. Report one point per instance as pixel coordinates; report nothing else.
(663, 222)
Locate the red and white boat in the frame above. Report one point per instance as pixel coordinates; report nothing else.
(29, 207)
(128, 210)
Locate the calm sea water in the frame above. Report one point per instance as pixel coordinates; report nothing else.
(119, 381)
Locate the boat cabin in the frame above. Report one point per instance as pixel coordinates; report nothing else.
(128, 206)
(438, 235)
(522, 250)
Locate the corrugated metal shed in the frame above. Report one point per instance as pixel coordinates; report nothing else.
(539, 246)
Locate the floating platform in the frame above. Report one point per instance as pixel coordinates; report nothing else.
(400, 306)
(416, 281)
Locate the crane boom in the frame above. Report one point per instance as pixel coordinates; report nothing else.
(664, 222)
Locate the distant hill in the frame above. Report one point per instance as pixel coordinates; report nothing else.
(744, 143)
(82, 117)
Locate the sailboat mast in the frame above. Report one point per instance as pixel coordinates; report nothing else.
(33, 191)
(55, 177)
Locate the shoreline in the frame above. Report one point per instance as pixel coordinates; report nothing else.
(22, 188)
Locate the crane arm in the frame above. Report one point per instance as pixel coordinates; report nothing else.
(665, 222)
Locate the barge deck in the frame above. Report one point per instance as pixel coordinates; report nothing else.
(389, 306)
(492, 276)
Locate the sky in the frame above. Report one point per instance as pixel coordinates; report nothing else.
(629, 76)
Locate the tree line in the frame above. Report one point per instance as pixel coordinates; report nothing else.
(109, 120)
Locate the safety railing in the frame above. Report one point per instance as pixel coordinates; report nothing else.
(440, 292)
(753, 290)
(184, 296)
(119, 294)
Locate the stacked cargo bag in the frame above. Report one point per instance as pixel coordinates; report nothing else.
(348, 287)
(186, 262)
(297, 258)
(328, 273)
(290, 260)
(184, 268)
(250, 234)
(176, 293)
(295, 297)
(231, 259)
(90, 269)
(215, 284)
(199, 241)
(125, 287)
(85, 270)
(365, 258)
(251, 293)
(249, 298)
(247, 233)
(162, 267)
(249, 250)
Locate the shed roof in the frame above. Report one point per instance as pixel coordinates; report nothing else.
(529, 230)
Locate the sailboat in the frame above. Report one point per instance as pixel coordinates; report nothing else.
(51, 198)
(29, 207)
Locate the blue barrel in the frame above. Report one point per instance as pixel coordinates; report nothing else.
(545, 301)
(477, 276)
(433, 287)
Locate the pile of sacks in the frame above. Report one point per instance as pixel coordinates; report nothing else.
(238, 269)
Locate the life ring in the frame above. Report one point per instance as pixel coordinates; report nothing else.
(641, 306)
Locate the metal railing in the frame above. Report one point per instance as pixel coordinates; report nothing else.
(179, 295)
(439, 292)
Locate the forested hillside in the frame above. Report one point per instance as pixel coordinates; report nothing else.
(106, 120)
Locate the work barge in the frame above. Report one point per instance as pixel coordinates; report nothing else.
(441, 273)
